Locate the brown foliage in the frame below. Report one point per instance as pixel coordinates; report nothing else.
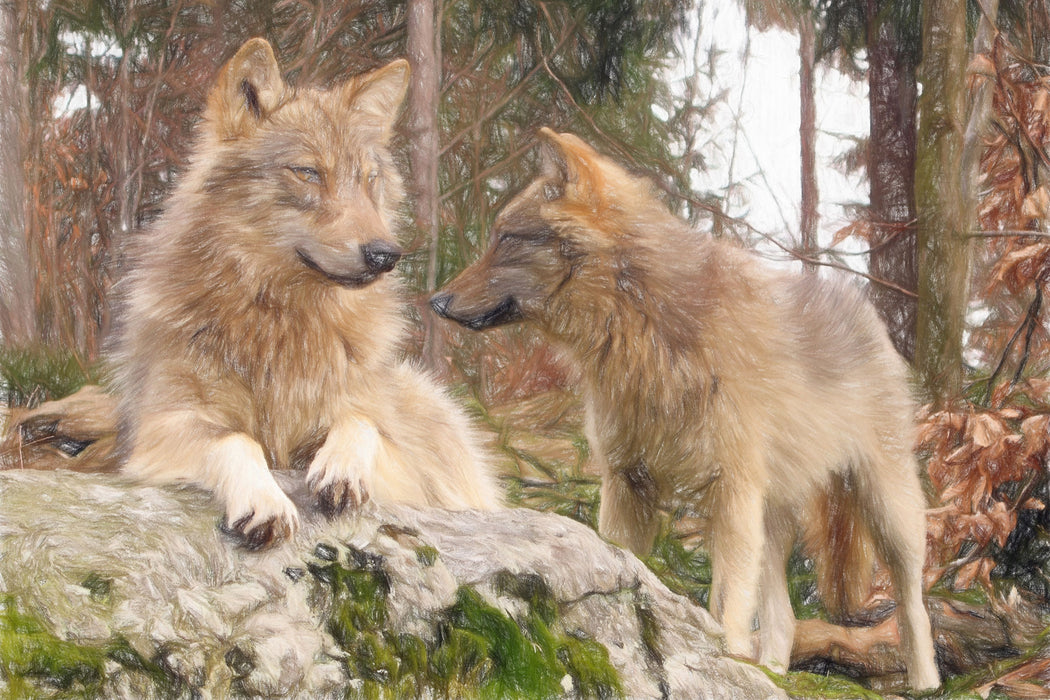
(983, 464)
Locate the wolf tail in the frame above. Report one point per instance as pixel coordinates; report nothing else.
(843, 550)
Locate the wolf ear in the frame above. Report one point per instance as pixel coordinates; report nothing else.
(381, 92)
(249, 87)
(571, 161)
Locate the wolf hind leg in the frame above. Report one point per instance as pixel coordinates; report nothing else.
(402, 439)
(894, 507)
(432, 454)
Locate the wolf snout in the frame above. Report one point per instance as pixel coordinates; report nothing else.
(441, 302)
(381, 256)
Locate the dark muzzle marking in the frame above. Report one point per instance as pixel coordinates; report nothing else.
(383, 261)
(381, 256)
(507, 311)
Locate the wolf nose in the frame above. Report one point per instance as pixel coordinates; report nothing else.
(440, 303)
(380, 256)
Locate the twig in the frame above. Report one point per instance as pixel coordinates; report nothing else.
(1008, 234)
(511, 94)
(495, 167)
(1030, 320)
(1028, 323)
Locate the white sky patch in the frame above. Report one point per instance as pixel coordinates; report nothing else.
(755, 161)
(72, 99)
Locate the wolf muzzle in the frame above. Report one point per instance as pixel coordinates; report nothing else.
(507, 311)
(381, 256)
(378, 257)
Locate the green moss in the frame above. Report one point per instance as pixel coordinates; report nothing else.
(30, 376)
(426, 555)
(98, 587)
(588, 663)
(121, 651)
(650, 630)
(520, 668)
(685, 571)
(570, 496)
(818, 687)
(975, 595)
(477, 649)
(34, 662)
(532, 589)
(460, 659)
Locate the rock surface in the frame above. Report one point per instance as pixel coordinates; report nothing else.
(105, 563)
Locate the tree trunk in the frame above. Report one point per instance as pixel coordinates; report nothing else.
(891, 170)
(944, 217)
(17, 307)
(808, 136)
(424, 56)
(978, 122)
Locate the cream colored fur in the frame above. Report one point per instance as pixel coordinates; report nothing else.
(258, 329)
(714, 381)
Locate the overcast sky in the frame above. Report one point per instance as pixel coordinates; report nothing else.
(760, 69)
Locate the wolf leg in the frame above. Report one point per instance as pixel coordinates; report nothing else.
(891, 497)
(736, 563)
(256, 507)
(182, 447)
(776, 620)
(343, 470)
(627, 512)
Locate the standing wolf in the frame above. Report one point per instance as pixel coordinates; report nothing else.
(259, 328)
(752, 393)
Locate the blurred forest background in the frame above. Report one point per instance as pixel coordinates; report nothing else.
(98, 102)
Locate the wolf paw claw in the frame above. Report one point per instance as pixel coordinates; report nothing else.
(340, 495)
(260, 535)
(342, 471)
(264, 522)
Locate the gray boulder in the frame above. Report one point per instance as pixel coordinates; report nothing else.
(120, 590)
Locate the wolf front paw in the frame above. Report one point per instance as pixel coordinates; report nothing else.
(263, 519)
(255, 533)
(341, 475)
(257, 510)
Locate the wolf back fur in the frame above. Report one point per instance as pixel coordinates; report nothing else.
(709, 379)
(258, 327)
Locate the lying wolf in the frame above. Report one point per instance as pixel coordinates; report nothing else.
(259, 327)
(765, 398)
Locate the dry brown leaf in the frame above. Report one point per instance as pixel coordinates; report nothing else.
(858, 229)
(1011, 413)
(1033, 504)
(1003, 522)
(1036, 204)
(966, 574)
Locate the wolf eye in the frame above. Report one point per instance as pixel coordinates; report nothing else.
(306, 174)
(375, 184)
